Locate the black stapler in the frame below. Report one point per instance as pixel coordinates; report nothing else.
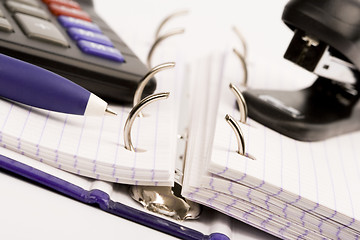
(326, 42)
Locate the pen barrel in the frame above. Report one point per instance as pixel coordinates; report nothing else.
(31, 85)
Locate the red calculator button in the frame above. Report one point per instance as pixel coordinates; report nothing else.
(66, 3)
(66, 11)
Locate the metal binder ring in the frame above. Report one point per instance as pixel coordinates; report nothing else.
(243, 56)
(168, 18)
(158, 41)
(244, 65)
(242, 40)
(146, 78)
(238, 133)
(134, 112)
(241, 103)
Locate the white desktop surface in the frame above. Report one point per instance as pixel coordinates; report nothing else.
(29, 211)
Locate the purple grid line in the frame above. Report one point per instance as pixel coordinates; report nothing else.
(41, 135)
(290, 203)
(270, 196)
(266, 221)
(61, 135)
(118, 144)
(5, 121)
(211, 182)
(246, 162)
(250, 190)
(282, 230)
(299, 171)
(348, 190)
(247, 213)
(133, 169)
(302, 218)
(212, 199)
(22, 131)
(99, 140)
(264, 164)
(98, 147)
(155, 141)
(191, 194)
(352, 141)
(316, 185)
(332, 185)
(343, 227)
(79, 143)
(231, 135)
(264, 157)
(325, 220)
(239, 180)
(250, 223)
(303, 235)
(234, 202)
(230, 188)
(281, 176)
(331, 179)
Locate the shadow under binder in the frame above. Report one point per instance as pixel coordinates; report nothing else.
(323, 110)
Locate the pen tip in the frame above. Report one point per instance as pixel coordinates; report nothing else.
(109, 110)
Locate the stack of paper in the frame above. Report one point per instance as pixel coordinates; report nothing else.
(93, 146)
(291, 189)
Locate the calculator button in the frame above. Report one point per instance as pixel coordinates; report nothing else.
(68, 22)
(81, 34)
(30, 10)
(66, 3)
(34, 3)
(100, 50)
(41, 29)
(5, 25)
(71, 12)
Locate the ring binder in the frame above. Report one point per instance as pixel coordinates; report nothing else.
(134, 113)
(168, 18)
(286, 192)
(164, 201)
(241, 103)
(143, 82)
(243, 56)
(242, 40)
(244, 66)
(238, 133)
(158, 41)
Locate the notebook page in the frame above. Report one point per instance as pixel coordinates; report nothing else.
(319, 178)
(198, 153)
(241, 207)
(94, 146)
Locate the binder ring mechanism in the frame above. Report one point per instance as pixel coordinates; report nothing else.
(139, 105)
(235, 125)
(242, 56)
(146, 79)
(134, 113)
(164, 200)
(159, 199)
(160, 38)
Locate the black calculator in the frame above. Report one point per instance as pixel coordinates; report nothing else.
(68, 38)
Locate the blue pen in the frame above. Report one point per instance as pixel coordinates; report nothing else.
(31, 85)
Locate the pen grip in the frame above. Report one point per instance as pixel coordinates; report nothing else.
(31, 85)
